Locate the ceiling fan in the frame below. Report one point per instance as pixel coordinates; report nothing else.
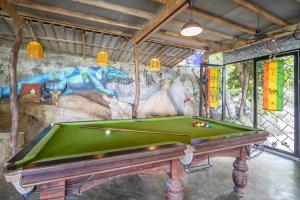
(259, 34)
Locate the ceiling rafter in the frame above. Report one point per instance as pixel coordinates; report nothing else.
(219, 20)
(223, 21)
(171, 10)
(72, 13)
(145, 15)
(11, 12)
(196, 39)
(57, 10)
(118, 8)
(52, 21)
(79, 43)
(284, 31)
(262, 12)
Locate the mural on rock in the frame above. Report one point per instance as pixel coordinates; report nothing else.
(72, 80)
(93, 93)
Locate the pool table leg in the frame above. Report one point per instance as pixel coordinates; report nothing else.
(239, 174)
(53, 191)
(174, 185)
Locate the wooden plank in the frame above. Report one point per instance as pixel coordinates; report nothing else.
(262, 12)
(11, 12)
(170, 11)
(72, 13)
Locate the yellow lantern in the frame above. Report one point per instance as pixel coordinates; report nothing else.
(154, 65)
(102, 58)
(34, 50)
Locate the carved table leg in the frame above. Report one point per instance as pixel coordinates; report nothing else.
(239, 174)
(174, 184)
(53, 191)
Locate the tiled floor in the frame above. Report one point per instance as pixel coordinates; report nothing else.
(270, 178)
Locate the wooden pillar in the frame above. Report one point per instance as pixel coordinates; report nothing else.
(174, 185)
(13, 91)
(137, 83)
(239, 174)
(53, 191)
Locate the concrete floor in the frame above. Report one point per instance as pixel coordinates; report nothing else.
(270, 178)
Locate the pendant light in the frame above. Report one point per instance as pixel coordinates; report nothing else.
(102, 58)
(191, 28)
(154, 65)
(34, 50)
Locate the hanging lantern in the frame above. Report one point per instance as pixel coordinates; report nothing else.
(102, 58)
(154, 65)
(34, 50)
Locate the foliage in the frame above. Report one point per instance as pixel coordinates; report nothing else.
(216, 58)
(234, 84)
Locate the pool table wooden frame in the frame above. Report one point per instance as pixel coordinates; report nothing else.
(57, 179)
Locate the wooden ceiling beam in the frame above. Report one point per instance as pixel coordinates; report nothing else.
(223, 21)
(288, 30)
(262, 12)
(144, 15)
(117, 8)
(71, 13)
(154, 39)
(7, 7)
(44, 7)
(194, 38)
(217, 19)
(169, 12)
(80, 43)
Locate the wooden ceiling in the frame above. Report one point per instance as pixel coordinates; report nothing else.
(227, 24)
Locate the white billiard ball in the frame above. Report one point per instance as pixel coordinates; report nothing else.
(107, 132)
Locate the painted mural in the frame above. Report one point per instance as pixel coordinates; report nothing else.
(72, 81)
(98, 93)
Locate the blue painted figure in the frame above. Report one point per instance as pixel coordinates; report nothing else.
(72, 80)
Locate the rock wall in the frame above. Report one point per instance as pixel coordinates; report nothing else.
(172, 91)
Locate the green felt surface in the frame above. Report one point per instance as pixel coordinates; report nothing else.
(70, 140)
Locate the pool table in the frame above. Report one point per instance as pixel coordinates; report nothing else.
(72, 157)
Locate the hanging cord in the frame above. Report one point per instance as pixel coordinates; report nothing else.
(191, 3)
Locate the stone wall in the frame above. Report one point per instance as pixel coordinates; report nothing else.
(172, 91)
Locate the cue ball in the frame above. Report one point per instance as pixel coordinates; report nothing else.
(107, 132)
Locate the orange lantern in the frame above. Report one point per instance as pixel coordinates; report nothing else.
(102, 58)
(34, 50)
(154, 65)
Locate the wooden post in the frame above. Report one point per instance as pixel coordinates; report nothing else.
(13, 91)
(137, 82)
